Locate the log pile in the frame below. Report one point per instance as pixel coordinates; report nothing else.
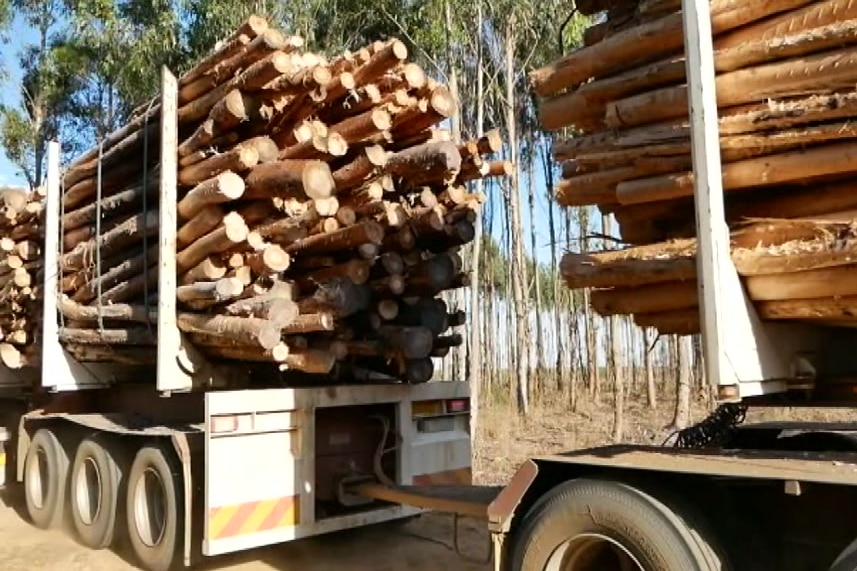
(785, 77)
(21, 270)
(320, 206)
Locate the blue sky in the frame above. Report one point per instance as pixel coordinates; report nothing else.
(21, 35)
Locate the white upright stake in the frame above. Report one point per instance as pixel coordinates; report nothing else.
(739, 348)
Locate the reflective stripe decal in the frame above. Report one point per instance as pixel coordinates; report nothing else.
(448, 478)
(253, 517)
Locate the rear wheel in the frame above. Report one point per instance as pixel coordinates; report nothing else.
(46, 479)
(155, 508)
(594, 525)
(96, 494)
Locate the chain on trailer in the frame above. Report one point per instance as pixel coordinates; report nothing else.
(712, 431)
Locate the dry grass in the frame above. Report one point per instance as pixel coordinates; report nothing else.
(505, 440)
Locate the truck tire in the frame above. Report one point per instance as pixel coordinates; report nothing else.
(96, 492)
(155, 508)
(46, 479)
(602, 525)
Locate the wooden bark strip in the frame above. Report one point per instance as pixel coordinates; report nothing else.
(679, 322)
(224, 187)
(123, 354)
(136, 336)
(357, 271)
(239, 159)
(149, 134)
(204, 222)
(819, 283)
(827, 71)
(645, 43)
(815, 15)
(258, 332)
(119, 203)
(290, 178)
(112, 241)
(585, 107)
(833, 35)
(838, 158)
(120, 312)
(833, 308)
(115, 274)
(351, 237)
(653, 298)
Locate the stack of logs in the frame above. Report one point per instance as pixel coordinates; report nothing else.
(785, 77)
(21, 231)
(320, 209)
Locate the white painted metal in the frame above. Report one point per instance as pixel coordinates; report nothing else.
(171, 377)
(59, 370)
(260, 445)
(740, 350)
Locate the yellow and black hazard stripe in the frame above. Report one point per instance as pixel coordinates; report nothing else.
(253, 517)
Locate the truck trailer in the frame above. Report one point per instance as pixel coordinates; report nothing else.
(188, 459)
(727, 495)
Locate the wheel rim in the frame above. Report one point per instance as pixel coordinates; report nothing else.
(87, 491)
(150, 500)
(37, 468)
(592, 552)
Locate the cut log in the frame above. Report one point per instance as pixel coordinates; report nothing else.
(309, 361)
(204, 222)
(346, 238)
(258, 332)
(218, 291)
(309, 323)
(645, 43)
(232, 231)
(136, 336)
(831, 159)
(122, 236)
(224, 187)
(290, 179)
(240, 159)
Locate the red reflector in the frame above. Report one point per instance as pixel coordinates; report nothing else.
(457, 405)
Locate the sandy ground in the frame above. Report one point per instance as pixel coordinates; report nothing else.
(420, 545)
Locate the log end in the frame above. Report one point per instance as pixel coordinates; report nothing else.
(318, 180)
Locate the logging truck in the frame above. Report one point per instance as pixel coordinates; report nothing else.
(188, 459)
(776, 496)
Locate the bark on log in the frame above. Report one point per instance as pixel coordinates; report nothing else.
(122, 236)
(646, 43)
(224, 187)
(258, 332)
(290, 178)
(351, 237)
(232, 231)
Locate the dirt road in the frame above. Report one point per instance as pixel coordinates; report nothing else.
(383, 548)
